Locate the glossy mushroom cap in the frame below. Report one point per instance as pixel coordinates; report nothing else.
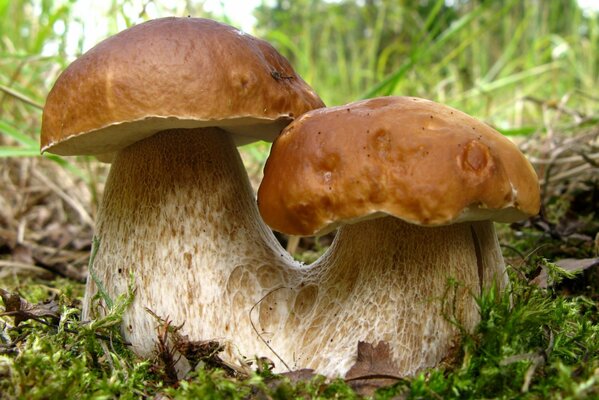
(417, 160)
(172, 73)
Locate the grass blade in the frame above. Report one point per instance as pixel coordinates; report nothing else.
(12, 151)
(15, 134)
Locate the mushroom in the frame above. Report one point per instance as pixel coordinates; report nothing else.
(414, 187)
(166, 101)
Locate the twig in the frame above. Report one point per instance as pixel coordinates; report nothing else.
(564, 160)
(537, 359)
(566, 174)
(19, 267)
(556, 106)
(65, 271)
(69, 200)
(512, 248)
(533, 251)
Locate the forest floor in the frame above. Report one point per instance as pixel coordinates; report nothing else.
(540, 339)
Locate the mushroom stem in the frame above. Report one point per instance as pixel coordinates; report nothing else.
(179, 214)
(386, 280)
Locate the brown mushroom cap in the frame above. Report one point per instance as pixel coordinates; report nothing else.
(172, 73)
(415, 159)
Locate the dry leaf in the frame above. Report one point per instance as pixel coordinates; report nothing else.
(22, 310)
(374, 368)
(569, 265)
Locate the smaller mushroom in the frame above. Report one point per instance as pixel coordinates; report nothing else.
(413, 187)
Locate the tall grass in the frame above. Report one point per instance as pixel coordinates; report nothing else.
(506, 62)
(26, 28)
(483, 57)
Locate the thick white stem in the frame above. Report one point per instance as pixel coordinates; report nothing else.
(386, 280)
(178, 213)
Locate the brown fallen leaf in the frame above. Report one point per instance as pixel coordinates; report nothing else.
(22, 310)
(374, 368)
(568, 264)
(572, 264)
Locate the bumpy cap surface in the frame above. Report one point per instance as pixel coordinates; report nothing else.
(415, 159)
(172, 73)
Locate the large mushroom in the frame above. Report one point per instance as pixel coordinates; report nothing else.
(166, 101)
(414, 186)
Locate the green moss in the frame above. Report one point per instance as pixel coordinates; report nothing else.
(532, 343)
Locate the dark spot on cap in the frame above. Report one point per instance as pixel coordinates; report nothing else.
(475, 156)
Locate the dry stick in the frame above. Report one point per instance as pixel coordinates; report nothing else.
(553, 157)
(512, 248)
(16, 265)
(524, 259)
(590, 159)
(69, 200)
(564, 160)
(560, 107)
(588, 137)
(533, 251)
(568, 144)
(19, 267)
(62, 265)
(258, 333)
(106, 351)
(566, 174)
(537, 359)
(65, 270)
